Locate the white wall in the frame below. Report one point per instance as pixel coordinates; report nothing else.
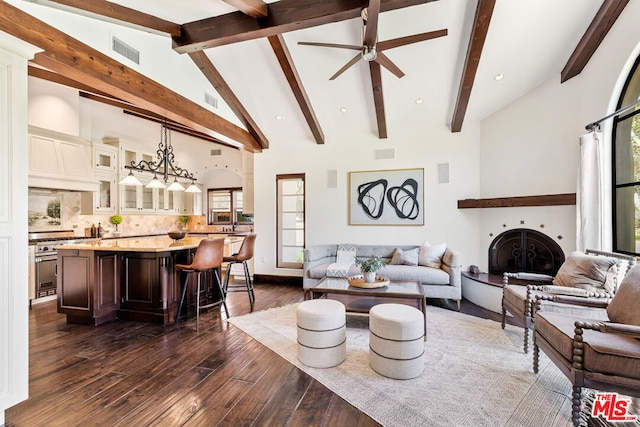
(528, 148)
(327, 210)
(531, 147)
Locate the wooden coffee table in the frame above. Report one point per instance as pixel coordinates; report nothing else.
(360, 300)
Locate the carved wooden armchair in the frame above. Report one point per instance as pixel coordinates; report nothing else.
(602, 355)
(582, 275)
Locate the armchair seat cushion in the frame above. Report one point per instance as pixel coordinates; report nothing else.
(606, 353)
(516, 296)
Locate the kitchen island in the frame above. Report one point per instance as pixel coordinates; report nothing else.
(132, 279)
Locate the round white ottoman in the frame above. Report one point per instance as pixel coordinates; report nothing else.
(396, 341)
(322, 333)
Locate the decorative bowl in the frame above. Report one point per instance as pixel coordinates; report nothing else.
(177, 235)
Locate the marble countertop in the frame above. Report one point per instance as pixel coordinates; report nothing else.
(143, 244)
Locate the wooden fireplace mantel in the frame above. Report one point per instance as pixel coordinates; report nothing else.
(512, 202)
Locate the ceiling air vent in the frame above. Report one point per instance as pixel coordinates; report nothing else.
(211, 100)
(216, 152)
(387, 153)
(125, 50)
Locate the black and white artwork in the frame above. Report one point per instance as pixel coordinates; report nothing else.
(386, 197)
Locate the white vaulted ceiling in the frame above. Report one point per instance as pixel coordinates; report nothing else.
(528, 41)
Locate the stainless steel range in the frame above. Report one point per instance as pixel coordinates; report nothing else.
(46, 258)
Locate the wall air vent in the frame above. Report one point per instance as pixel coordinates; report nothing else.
(387, 153)
(216, 152)
(211, 100)
(125, 50)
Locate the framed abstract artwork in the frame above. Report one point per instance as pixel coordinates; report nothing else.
(386, 197)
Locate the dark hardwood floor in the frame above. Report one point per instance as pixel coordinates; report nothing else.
(128, 373)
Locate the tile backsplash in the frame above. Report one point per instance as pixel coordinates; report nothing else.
(70, 218)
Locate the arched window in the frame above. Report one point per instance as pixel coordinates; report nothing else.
(626, 169)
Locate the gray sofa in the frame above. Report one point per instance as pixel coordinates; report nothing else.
(437, 283)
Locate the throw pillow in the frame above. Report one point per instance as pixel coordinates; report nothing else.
(408, 257)
(590, 272)
(396, 259)
(431, 255)
(623, 308)
(346, 254)
(566, 290)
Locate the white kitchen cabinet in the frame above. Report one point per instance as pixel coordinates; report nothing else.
(168, 202)
(191, 203)
(105, 159)
(138, 200)
(103, 201)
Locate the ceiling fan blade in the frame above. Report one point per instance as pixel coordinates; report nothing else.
(371, 27)
(403, 41)
(339, 46)
(384, 60)
(346, 66)
(378, 98)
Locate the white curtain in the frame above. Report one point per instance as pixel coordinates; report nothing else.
(590, 204)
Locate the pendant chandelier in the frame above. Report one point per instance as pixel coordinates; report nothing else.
(163, 166)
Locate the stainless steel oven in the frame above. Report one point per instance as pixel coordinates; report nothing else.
(46, 258)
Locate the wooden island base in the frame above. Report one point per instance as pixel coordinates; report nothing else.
(132, 279)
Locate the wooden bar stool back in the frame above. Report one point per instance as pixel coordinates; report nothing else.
(244, 254)
(208, 257)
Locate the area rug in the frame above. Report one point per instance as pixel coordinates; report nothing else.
(475, 373)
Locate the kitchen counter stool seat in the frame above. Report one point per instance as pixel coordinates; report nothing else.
(208, 257)
(244, 254)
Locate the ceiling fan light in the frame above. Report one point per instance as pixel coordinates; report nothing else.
(369, 54)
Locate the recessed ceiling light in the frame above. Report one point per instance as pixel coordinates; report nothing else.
(419, 101)
(498, 77)
(343, 109)
(278, 117)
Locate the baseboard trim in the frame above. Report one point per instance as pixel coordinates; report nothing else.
(278, 280)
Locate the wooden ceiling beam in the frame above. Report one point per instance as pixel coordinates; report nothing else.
(378, 98)
(484, 11)
(253, 8)
(284, 16)
(291, 73)
(151, 116)
(50, 76)
(101, 9)
(212, 74)
(70, 57)
(593, 36)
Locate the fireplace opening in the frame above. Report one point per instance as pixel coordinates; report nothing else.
(524, 250)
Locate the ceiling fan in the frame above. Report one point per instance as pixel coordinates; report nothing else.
(371, 49)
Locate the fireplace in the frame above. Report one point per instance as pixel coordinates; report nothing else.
(524, 250)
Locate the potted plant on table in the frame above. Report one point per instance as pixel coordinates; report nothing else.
(115, 220)
(369, 267)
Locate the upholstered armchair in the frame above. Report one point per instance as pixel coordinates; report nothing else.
(598, 354)
(594, 274)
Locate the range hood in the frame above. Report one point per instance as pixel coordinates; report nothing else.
(59, 161)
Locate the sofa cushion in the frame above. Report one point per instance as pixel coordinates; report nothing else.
(623, 308)
(606, 353)
(405, 257)
(427, 275)
(431, 255)
(590, 272)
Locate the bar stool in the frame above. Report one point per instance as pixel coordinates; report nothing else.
(208, 258)
(245, 254)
